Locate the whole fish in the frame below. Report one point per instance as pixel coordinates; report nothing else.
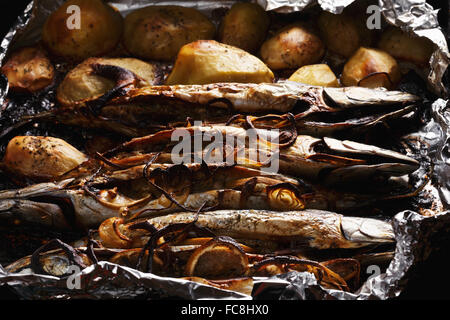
(325, 159)
(314, 228)
(319, 111)
(156, 189)
(148, 190)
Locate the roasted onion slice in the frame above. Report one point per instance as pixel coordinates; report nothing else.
(284, 196)
(220, 258)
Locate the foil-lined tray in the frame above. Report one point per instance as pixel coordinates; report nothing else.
(413, 230)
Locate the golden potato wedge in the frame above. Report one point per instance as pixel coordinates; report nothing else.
(244, 26)
(208, 61)
(29, 70)
(40, 158)
(316, 75)
(371, 67)
(100, 30)
(81, 84)
(158, 32)
(403, 46)
(292, 47)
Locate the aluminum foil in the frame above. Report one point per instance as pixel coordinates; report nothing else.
(413, 229)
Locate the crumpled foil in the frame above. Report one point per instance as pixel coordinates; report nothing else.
(413, 230)
(421, 19)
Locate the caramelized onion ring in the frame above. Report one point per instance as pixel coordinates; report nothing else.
(284, 196)
(221, 257)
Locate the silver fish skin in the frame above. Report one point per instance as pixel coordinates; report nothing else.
(90, 208)
(316, 228)
(223, 187)
(89, 211)
(270, 97)
(153, 108)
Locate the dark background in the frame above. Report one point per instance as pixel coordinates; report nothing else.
(9, 13)
(431, 280)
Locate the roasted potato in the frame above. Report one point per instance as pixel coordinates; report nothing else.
(81, 84)
(244, 26)
(29, 70)
(371, 68)
(40, 158)
(100, 30)
(316, 75)
(344, 33)
(158, 32)
(208, 61)
(340, 33)
(405, 47)
(292, 47)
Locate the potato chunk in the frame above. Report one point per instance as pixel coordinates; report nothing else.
(292, 47)
(371, 68)
(344, 33)
(244, 26)
(29, 70)
(81, 84)
(208, 61)
(100, 29)
(158, 32)
(40, 158)
(403, 46)
(316, 75)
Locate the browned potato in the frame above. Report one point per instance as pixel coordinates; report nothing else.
(403, 46)
(316, 75)
(80, 84)
(158, 32)
(40, 158)
(208, 61)
(292, 47)
(340, 33)
(100, 30)
(371, 68)
(244, 26)
(344, 33)
(29, 70)
(376, 80)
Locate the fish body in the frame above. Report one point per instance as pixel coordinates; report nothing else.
(86, 200)
(317, 110)
(305, 157)
(316, 228)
